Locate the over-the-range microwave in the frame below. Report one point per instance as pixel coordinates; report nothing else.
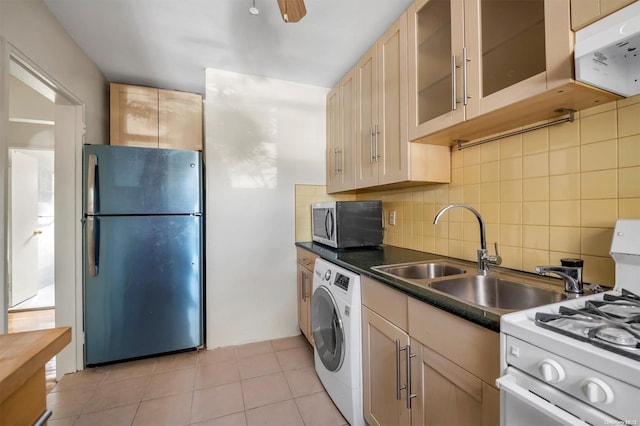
(346, 224)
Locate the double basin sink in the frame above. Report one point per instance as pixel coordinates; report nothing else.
(485, 291)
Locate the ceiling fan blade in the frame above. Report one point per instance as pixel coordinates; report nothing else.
(292, 10)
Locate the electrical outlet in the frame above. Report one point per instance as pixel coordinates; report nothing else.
(392, 217)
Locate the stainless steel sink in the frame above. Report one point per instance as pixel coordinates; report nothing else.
(496, 293)
(420, 270)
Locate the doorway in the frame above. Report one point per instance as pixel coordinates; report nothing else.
(45, 122)
(31, 279)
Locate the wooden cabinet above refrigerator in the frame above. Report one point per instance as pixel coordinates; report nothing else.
(155, 118)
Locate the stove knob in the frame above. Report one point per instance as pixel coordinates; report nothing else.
(551, 371)
(596, 391)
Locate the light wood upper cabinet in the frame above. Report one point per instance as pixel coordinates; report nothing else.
(155, 118)
(341, 135)
(585, 12)
(367, 157)
(477, 67)
(179, 120)
(384, 154)
(134, 116)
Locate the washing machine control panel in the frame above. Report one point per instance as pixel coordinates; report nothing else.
(342, 281)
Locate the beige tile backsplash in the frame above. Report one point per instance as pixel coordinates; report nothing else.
(544, 195)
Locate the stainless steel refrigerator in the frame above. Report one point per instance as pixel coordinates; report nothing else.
(142, 240)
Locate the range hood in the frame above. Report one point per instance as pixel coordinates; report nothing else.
(607, 52)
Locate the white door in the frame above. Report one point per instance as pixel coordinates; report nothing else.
(24, 227)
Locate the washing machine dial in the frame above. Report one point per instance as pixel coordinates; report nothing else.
(327, 275)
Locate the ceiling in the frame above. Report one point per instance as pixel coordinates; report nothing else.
(169, 43)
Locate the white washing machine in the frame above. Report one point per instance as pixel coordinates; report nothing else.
(337, 333)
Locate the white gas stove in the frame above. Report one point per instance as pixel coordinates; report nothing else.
(577, 362)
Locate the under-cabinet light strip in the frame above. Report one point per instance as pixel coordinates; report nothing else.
(462, 144)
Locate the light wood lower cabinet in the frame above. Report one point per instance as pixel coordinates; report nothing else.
(447, 394)
(452, 363)
(305, 264)
(384, 371)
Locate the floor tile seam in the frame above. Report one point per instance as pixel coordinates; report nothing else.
(108, 408)
(244, 358)
(167, 396)
(69, 391)
(288, 386)
(194, 368)
(292, 347)
(170, 370)
(280, 370)
(105, 382)
(83, 413)
(236, 357)
(214, 385)
(52, 391)
(273, 404)
(244, 414)
(244, 410)
(299, 411)
(190, 405)
(118, 405)
(302, 367)
(133, 420)
(271, 349)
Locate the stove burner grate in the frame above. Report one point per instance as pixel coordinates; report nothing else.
(612, 324)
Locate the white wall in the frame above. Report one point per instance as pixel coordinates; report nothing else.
(262, 137)
(28, 29)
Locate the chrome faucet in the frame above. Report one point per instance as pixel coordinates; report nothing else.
(484, 258)
(570, 272)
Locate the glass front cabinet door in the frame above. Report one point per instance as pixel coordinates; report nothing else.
(471, 57)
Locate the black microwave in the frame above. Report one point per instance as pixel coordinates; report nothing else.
(345, 224)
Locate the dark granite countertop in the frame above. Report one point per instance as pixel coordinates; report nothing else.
(360, 260)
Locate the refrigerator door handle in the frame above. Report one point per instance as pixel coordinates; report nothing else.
(91, 246)
(92, 169)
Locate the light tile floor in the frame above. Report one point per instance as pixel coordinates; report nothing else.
(266, 383)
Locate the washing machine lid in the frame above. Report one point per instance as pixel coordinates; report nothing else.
(328, 330)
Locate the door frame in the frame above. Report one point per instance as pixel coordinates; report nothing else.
(68, 200)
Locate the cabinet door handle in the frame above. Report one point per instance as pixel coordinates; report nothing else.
(377, 132)
(409, 355)
(454, 92)
(465, 59)
(305, 277)
(398, 385)
(371, 158)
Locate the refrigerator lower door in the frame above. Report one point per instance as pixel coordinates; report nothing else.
(146, 295)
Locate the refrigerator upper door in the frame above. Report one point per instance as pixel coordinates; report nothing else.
(127, 180)
(146, 295)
